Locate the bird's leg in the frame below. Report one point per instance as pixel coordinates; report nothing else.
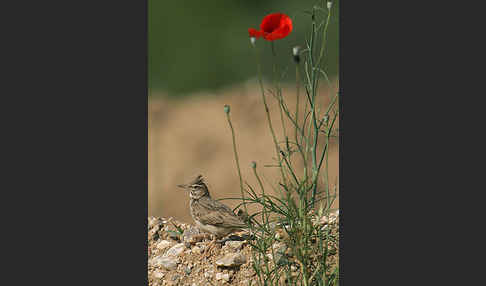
(211, 245)
(209, 249)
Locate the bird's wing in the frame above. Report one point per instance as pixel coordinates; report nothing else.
(219, 214)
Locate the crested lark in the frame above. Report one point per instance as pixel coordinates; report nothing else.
(210, 215)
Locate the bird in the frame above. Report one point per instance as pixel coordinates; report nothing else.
(209, 215)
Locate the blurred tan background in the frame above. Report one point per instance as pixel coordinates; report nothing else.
(191, 135)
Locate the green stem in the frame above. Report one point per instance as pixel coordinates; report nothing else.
(237, 162)
(278, 93)
(314, 116)
(264, 214)
(324, 34)
(269, 120)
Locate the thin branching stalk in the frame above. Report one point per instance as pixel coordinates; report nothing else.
(269, 119)
(227, 111)
(265, 218)
(299, 144)
(324, 37)
(279, 98)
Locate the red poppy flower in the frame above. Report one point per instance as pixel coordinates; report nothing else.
(273, 27)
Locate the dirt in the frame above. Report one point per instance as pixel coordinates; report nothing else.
(191, 136)
(191, 258)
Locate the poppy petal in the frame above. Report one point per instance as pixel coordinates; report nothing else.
(278, 34)
(276, 26)
(255, 33)
(271, 22)
(273, 27)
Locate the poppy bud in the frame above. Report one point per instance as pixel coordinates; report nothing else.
(252, 41)
(329, 5)
(295, 53)
(253, 164)
(227, 109)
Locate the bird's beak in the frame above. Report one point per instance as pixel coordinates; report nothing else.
(182, 186)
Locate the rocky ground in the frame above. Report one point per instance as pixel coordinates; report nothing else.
(180, 254)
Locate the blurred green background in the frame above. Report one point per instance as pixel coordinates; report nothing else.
(204, 45)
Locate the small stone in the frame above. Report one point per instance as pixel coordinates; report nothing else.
(280, 234)
(273, 225)
(332, 251)
(235, 244)
(175, 250)
(324, 220)
(201, 246)
(153, 234)
(153, 221)
(175, 277)
(184, 226)
(163, 244)
(250, 273)
(196, 250)
(279, 247)
(332, 218)
(208, 274)
(159, 275)
(188, 270)
(192, 235)
(156, 228)
(173, 235)
(231, 259)
(279, 250)
(221, 276)
(169, 263)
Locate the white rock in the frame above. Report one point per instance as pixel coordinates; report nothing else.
(226, 277)
(196, 250)
(175, 250)
(221, 276)
(159, 275)
(231, 259)
(163, 244)
(235, 244)
(169, 263)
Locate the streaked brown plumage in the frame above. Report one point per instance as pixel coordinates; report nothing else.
(210, 215)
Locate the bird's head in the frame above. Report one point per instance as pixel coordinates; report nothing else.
(196, 187)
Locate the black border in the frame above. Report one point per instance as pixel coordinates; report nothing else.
(400, 187)
(75, 193)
